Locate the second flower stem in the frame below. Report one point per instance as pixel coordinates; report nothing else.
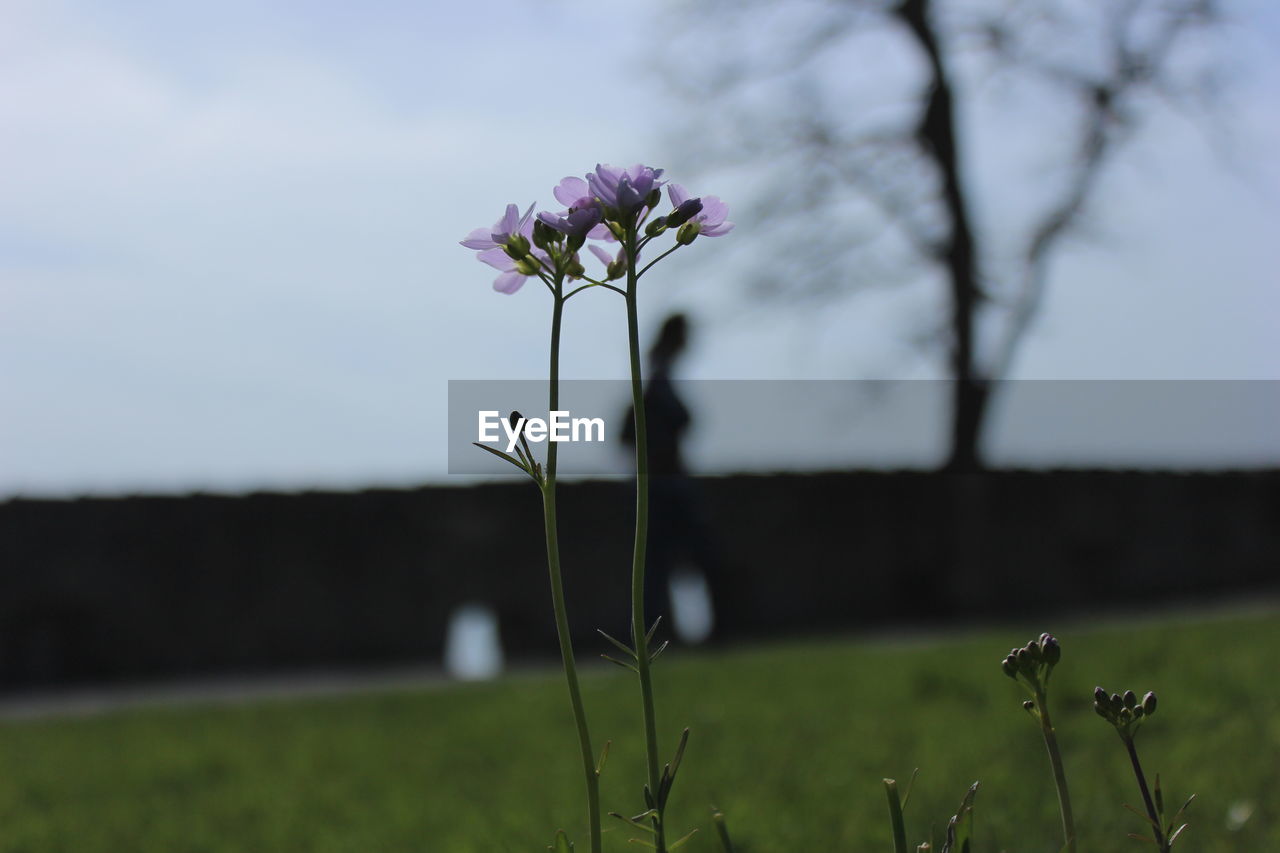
(557, 588)
(1059, 773)
(639, 636)
(1146, 794)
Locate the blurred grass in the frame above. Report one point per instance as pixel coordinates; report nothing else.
(790, 740)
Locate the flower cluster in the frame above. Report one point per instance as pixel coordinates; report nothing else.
(1034, 662)
(607, 204)
(1124, 711)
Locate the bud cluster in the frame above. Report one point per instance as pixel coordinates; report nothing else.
(1034, 661)
(1124, 711)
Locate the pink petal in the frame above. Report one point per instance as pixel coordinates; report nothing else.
(508, 282)
(498, 259)
(481, 238)
(677, 194)
(570, 191)
(605, 257)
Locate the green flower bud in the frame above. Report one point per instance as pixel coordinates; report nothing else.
(616, 269)
(1125, 716)
(527, 266)
(517, 247)
(616, 228)
(688, 233)
(575, 269)
(653, 198)
(656, 227)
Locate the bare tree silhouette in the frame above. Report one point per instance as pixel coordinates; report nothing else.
(855, 119)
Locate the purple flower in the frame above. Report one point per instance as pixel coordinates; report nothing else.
(614, 266)
(711, 219)
(623, 190)
(576, 222)
(491, 246)
(504, 229)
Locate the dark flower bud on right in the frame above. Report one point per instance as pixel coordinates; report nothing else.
(1149, 703)
(686, 211)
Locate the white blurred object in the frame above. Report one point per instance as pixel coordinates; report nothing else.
(691, 607)
(472, 649)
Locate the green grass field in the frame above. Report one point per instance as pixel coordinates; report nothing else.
(790, 740)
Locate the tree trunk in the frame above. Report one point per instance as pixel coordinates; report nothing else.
(937, 136)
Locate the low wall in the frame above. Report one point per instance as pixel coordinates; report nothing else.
(95, 589)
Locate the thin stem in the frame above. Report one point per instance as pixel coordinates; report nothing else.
(1059, 773)
(1146, 794)
(557, 588)
(576, 290)
(676, 247)
(639, 639)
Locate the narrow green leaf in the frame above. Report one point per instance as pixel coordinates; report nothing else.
(1159, 798)
(911, 784)
(1136, 837)
(662, 648)
(621, 646)
(1180, 812)
(895, 816)
(604, 755)
(681, 840)
(648, 638)
(722, 829)
(501, 455)
(642, 843)
(622, 664)
(1176, 833)
(679, 756)
(1142, 815)
(960, 827)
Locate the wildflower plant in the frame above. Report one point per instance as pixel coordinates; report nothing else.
(1032, 666)
(612, 205)
(1127, 714)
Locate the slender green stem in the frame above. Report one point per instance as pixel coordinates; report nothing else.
(895, 816)
(638, 625)
(1146, 793)
(557, 588)
(674, 248)
(1059, 773)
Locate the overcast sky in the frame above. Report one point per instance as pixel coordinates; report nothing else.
(228, 237)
